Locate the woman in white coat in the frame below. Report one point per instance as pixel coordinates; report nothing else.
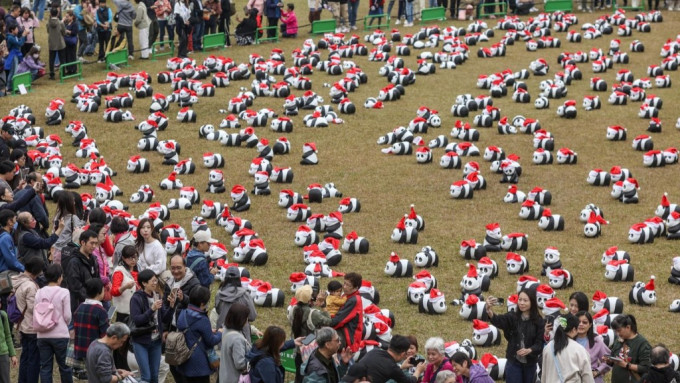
(564, 360)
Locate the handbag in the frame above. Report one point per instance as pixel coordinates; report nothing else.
(213, 359)
(140, 330)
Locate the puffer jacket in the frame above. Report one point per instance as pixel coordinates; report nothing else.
(25, 289)
(197, 262)
(315, 372)
(196, 321)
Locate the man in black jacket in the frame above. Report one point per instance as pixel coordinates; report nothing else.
(81, 268)
(379, 365)
(661, 371)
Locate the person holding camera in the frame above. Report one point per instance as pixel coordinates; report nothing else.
(413, 359)
(321, 366)
(523, 329)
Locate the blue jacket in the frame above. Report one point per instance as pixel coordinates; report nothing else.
(14, 44)
(72, 38)
(262, 366)
(21, 199)
(198, 264)
(272, 9)
(8, 254)
(35, 207)
(78, 13)
(196, 320)
(141, 313)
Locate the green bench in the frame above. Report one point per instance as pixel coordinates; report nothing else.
(432, 14)
(558, 5)
(78, 73)
(24, 79)
(116, 58)
(640, 7)
(154, 48)
(323, 26)
(215, 40)
(261, 36)
(382, 19)
(503, 6)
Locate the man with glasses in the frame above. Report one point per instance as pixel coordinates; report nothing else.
(29, 243)
(321, 366)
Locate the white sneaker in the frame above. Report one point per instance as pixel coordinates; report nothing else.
(670, 8)
(580, 8)
(397, 22)
(338, 30)
(407, 24)
(131, 57)
(345, 30)
(354, 28)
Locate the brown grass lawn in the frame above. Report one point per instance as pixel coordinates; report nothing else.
(386, 185)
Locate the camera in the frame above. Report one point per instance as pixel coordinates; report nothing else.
(416, 360)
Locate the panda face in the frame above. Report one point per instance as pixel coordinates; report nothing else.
(649, 297)
(555, 283)
(513, 267)
(543, 222)
(471, 284)
(670, 157)
(485, 270)
(561, 157)
(423, 156)
(591, 230)
(260, 178)
(610, 274)
(524, 213)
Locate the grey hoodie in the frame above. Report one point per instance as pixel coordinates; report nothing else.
(229, 295)
(126, 12)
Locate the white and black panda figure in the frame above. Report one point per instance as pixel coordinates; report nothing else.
(415, 292)
(591, 103)
(567, 110)
(473, 284)
(461, 190)
(309, 154)
(653, 159)
(484, 334)
(186, 114)
(433, 302)
(268, 296)
(643, 294)
(470, 249)
(261, 184)
(213, 160)
(493, 365)
(403, 234)
(673, 226)
(116, 115)
(619, 271)
(396, 267)
(143, 195)
(176, 245)
(355, 244)
(670, 156)
(349, 205)
(298, 212)
(593, 227)
(230, 122)
(179, 203)
(138, 164)
(493, 153)
(629, 191)
(493, 237)
(612, 304)
(211, 209)
(598, 177)
(216, 182)
(240, 198)
(542, 157)
(550, 222)
(288, 197)
(281, 124)
(614, 254)
(473, 308)
(450, 160)
(299, 279)
(369, 292)
(426, 257)
(616, 133)
(566, 156)
(663, 81)
(640, 233)
(186, 166)
(516, 263)
(514, 195)
(510, 174)
(560, 279)
(333, 226)
(530, 210)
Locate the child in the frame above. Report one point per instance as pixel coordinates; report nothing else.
(289, 28)
(6, 346)
(246, 29)
(376, 8)
(32, 63)
(55, 39)
(334, 300)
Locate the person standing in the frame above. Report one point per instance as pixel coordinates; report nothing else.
(225, 19)
(231, 292)
(66, 211)
(82, 268)
(233, 362)
(352, 8)
(265, 356)
(166, 21)
(80, 12)
(564, 360)
(304, 320)
(273, 13)
(321, 365)
(71, 39)
(142, 24)
(631, 349)
(198, 28)
(593, 344)
(147, 314)
(151, 6)
(27, 21)
(211, 14)
(151, 252)
(8, 258)
(523, 329)
(102, 261)
(55, 40)
(315, 9)
(90, 320)
(124, 283)
(104, 23)
(349, 320)
(182, 16)
(14, 42)
(53, 342)
(126, 15)
(25, 288)
(39, 9)
(8, 356)
(122, 237)
(196, 258)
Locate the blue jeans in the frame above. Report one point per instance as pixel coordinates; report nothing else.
(162, 27)
(520, 373)
(29, 363)
(352, 8)
(49, 348)
(409, 11)
(197, 36)
(433, 4)
(149, 359)
(39, 9)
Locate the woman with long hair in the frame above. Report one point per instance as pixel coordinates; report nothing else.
(231, 292)
(122, 237)
(564, 360)
(147, 315)
(593, 344)
(66, 210)
(523, 329)
(631, 351)
(578, 301)
(234, 344)
(151, 253)
(300, 320)
(124, 283)
(265, 356)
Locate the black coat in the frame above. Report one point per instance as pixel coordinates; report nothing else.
(179, 305)
(79, 270)
(516, 330)
(661, 375)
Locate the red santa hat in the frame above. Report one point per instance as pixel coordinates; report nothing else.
(614, 265)
(493, 226)
(472, 271)
(600, 316)
(394, 258)
(469, 243)
(400, 224)
(554, 304)
(423, 276)
(480, 327)
(594, 218)
(664, 200)
(650, 285)
(513, 258)
(436, 295)
(486, 261)
(237, 190)
(558, 274)
(545, 291)
(471, 300)
(632, 181)
(552, 250)
(309, 146)
(599, 296)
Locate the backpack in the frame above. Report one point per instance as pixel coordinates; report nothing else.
(176, 349)
(13, 313)
(45, 317)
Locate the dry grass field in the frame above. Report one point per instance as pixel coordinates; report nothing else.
(386, 184)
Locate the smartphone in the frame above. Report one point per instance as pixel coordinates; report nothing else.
(309, 339)
(415, 360)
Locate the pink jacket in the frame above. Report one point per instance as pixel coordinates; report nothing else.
(290, 20)
(257, 4)
(103, 262)
(61, 299)
(29, 24)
